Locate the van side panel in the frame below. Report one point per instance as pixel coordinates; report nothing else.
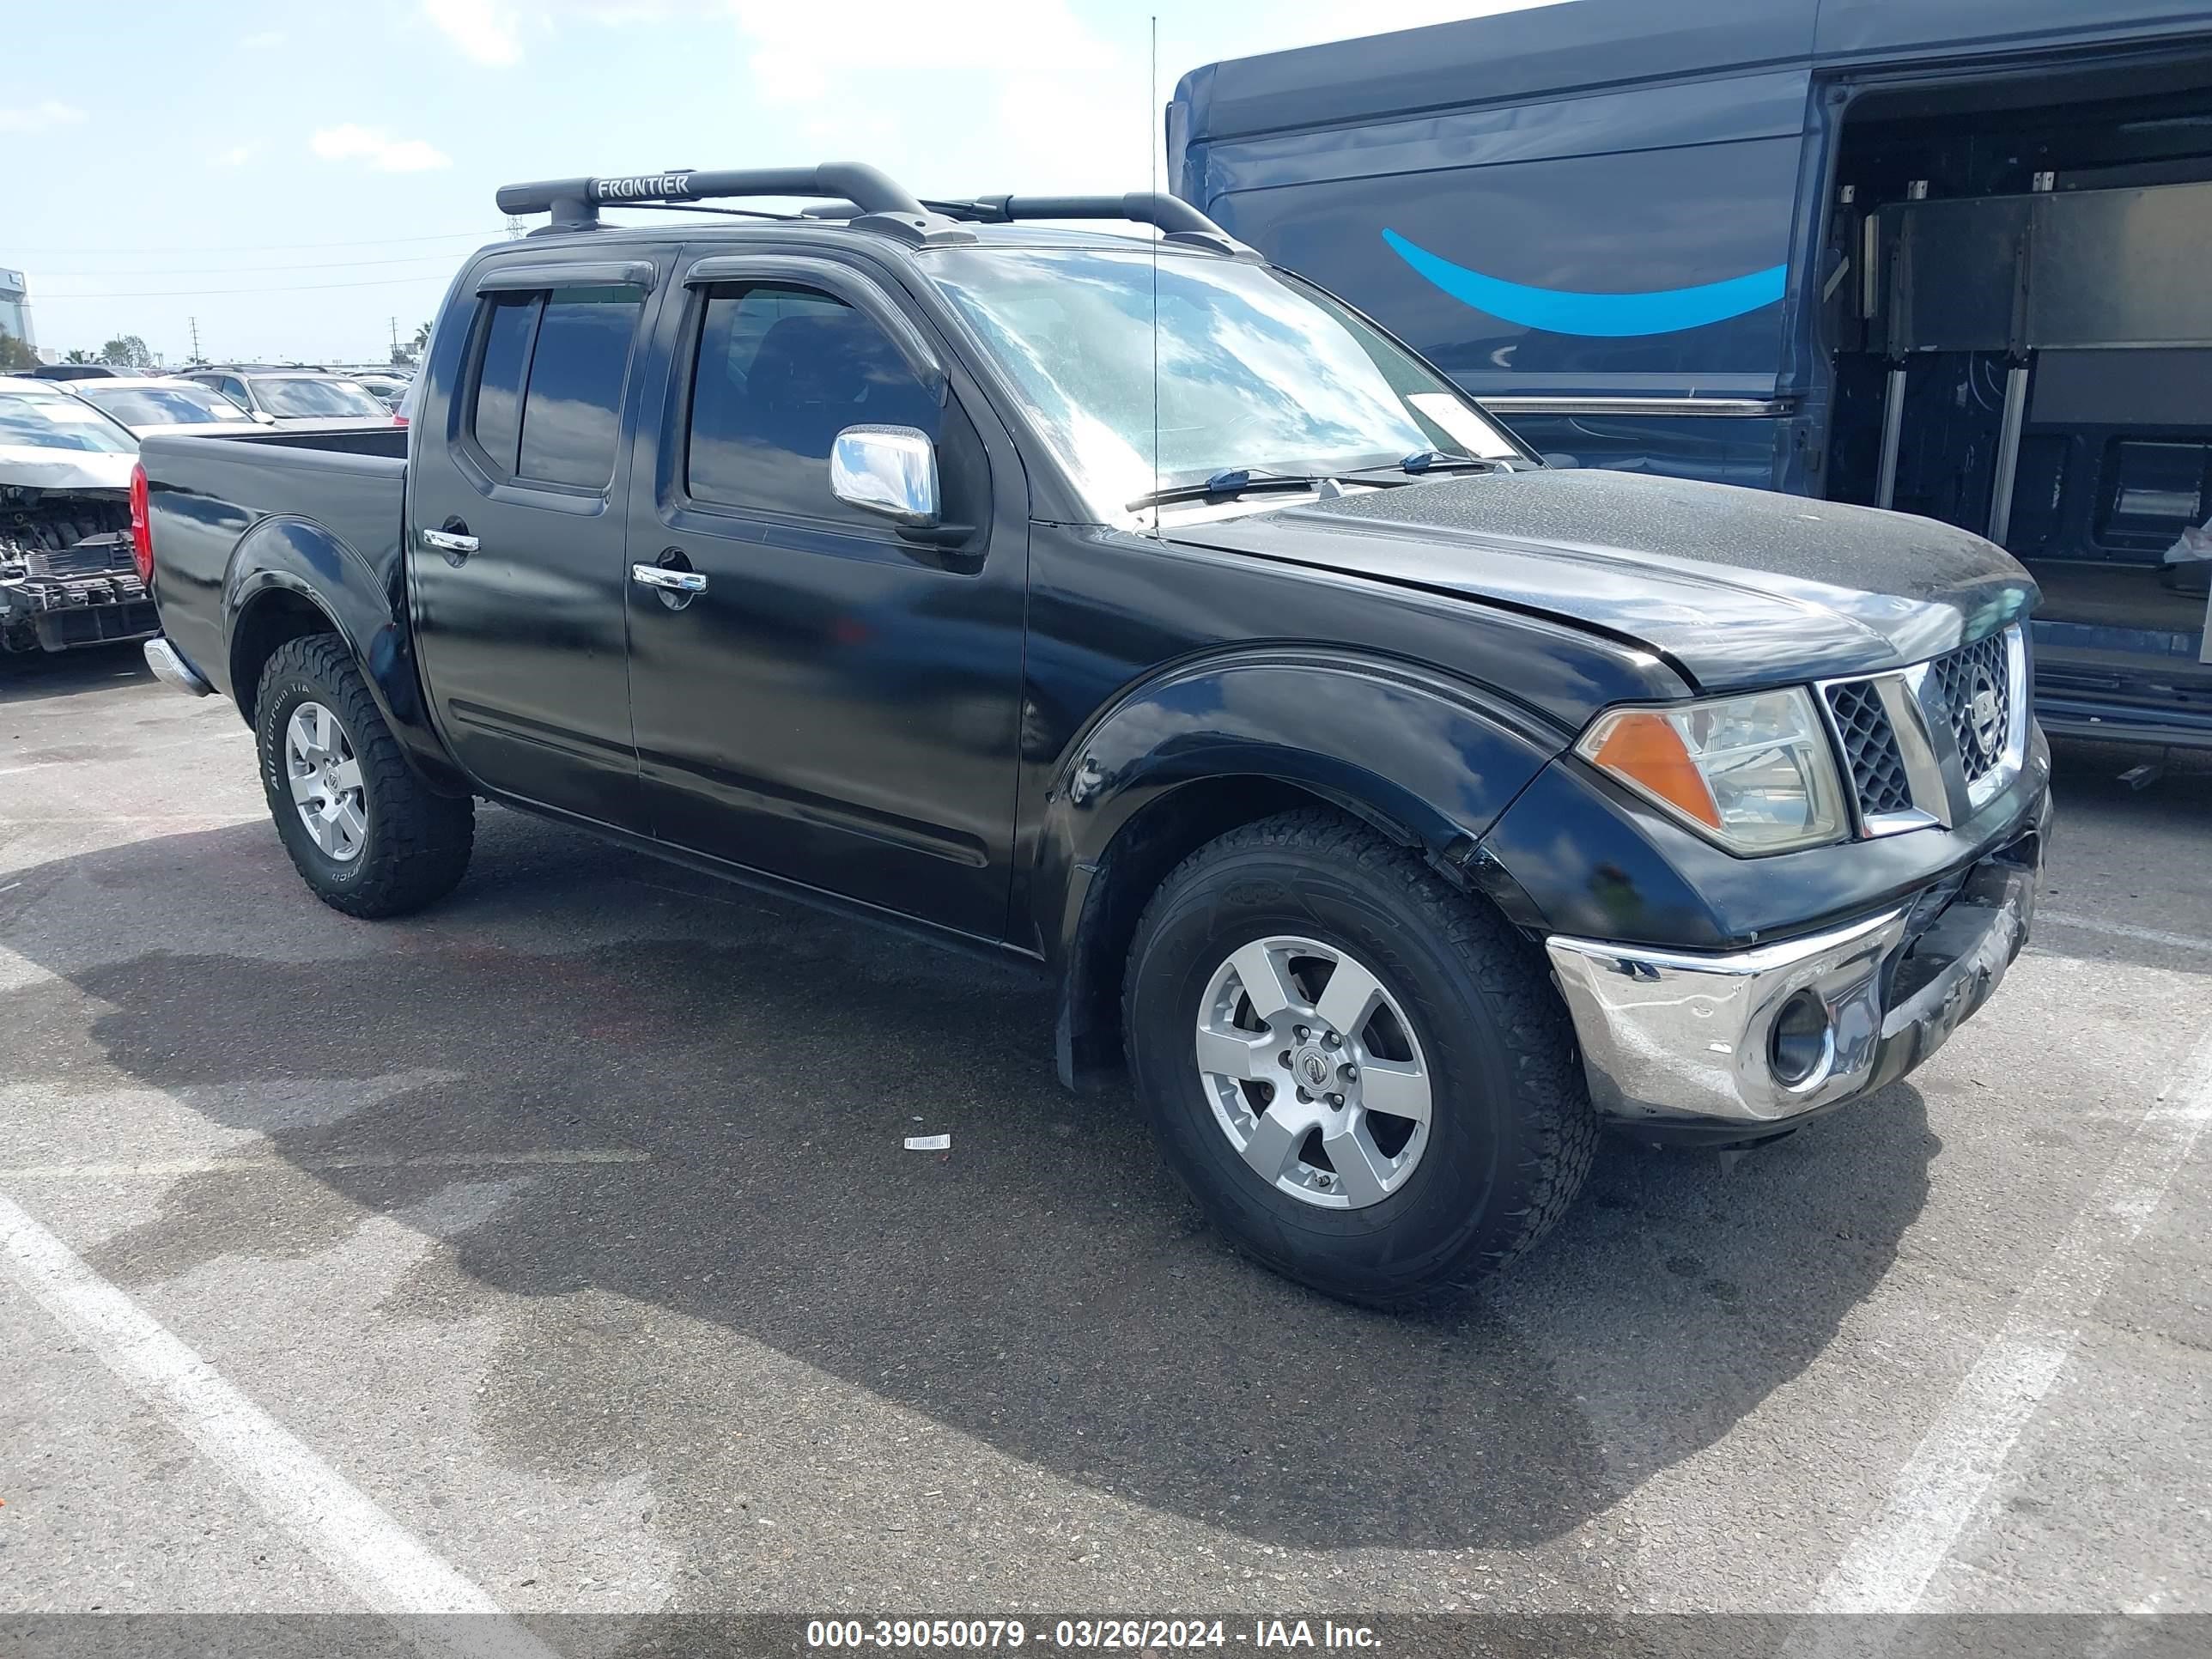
(1498, 242)
(1539, 54)
(1864, 28)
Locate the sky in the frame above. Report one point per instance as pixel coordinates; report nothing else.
(303, 178)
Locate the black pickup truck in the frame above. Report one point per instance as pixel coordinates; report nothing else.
(1399, 810)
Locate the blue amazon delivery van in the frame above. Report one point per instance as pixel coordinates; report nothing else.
(1953, 257)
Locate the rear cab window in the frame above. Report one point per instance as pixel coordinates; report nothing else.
(545, 396)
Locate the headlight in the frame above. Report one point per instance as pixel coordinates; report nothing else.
(1755, 773)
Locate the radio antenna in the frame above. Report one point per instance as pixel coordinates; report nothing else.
(1153, 162)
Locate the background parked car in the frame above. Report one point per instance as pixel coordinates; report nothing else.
(73, 372)
(302, 397)
(66, 575)
(388, 389)
(149, 404)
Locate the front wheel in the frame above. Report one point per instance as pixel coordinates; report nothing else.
(362, 830)
(1367, 1080)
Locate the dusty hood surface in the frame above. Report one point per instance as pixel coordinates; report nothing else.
(27, 467)
(1734, 588)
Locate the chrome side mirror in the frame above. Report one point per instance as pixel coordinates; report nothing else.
(263, 417)
(891, 470)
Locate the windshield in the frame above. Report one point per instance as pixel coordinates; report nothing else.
(163, 405)
(59, 422)
(1255, 372)
(297, 395)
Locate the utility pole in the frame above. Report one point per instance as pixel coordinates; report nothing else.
(395, 341)
(196, 339)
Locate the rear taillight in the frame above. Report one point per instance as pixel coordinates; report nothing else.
(142, 526)
(398, 418)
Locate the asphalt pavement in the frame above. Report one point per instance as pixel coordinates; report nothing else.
(562, 1244)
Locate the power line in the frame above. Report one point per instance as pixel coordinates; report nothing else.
(479, 234)
(247, 270)
(280, 288)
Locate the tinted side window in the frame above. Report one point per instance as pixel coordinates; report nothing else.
(572, 413)
(495, 416)
(781, 372)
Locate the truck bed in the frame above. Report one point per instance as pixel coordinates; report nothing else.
(341, 492)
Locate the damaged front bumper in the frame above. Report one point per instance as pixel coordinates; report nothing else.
(89, 594)
(1736, 1046)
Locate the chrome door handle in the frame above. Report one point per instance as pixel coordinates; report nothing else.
(675, 582)
(447, 541)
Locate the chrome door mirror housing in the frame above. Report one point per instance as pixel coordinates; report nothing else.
(889, 470)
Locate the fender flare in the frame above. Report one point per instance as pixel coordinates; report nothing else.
(296, 557)
(1427, 759)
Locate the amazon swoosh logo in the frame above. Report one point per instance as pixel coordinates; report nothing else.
(1558, 311)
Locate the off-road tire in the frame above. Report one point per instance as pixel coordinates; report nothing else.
(417, 843)
(1512, 1132)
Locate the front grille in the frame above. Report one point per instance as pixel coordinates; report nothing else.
(1870, 746)
(1977, 671)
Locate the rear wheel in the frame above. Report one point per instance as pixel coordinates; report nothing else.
(362, 828)
(1367, 1080)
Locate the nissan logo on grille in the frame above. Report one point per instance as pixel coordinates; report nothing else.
(1984, 715)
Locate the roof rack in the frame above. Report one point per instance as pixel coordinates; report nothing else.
(1176, 218)
(885, 205)
(866, 196)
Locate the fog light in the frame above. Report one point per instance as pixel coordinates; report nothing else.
(1802, 1042)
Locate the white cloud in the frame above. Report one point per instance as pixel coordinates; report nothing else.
(1049, 97)
(383, 153)
(264, 40)
(486, 31)
(39, 117)
(1046, 102)
(237, 155)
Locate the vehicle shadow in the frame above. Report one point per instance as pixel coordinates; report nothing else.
(1044, 1287)
(26, 678)
(2127, 880)
(2094, 773)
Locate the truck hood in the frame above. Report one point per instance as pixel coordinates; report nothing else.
(1733, 587)
(29, 467)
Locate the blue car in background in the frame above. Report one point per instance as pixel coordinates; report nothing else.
(1953, 257)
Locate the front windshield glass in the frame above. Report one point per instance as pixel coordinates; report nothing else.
(59, 422)
(1255, 372)
(299, 397)
(163, 405)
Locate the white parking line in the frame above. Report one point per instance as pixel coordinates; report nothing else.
(140, 752)
(1888, 1567)
(2122, 930)
(266, 1162)
(388, 1567)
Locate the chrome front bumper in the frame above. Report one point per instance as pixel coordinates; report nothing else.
(1672, 1038)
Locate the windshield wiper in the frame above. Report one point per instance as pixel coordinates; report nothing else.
(1436, 460)
(1225, 486)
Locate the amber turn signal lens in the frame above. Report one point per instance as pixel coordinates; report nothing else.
(1645, 749)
